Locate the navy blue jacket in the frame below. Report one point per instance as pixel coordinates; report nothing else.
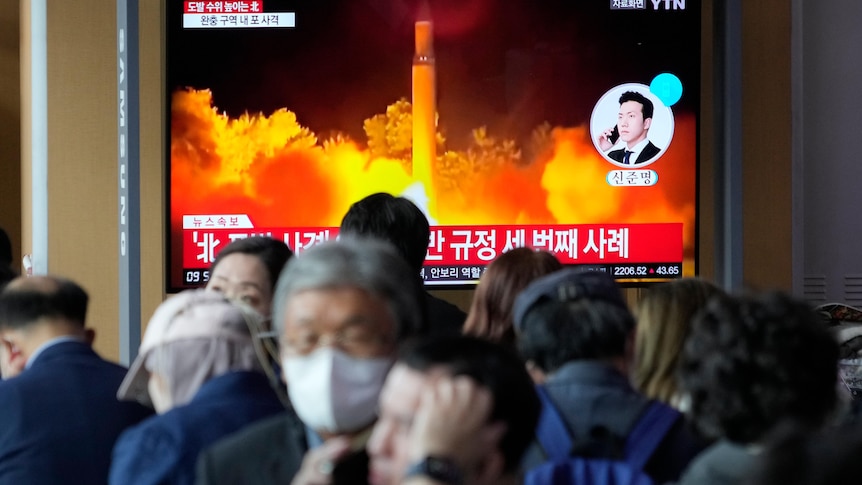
(165, 448)
(60, 418)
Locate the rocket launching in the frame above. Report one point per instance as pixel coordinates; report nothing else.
(425, 111)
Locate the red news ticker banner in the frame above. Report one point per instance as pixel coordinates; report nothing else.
(479, 245)
(237, 6)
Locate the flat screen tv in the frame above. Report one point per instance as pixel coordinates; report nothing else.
(569, 126)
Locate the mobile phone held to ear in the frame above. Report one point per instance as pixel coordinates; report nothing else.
(615, 134)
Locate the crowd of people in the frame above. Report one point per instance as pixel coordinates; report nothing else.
(335, 366)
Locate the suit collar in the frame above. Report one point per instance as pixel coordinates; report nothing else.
(57, 348)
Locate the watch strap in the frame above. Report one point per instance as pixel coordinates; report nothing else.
(440, 469)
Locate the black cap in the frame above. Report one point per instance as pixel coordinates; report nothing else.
(567, 285)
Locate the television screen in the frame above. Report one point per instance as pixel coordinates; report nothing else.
(568, 126)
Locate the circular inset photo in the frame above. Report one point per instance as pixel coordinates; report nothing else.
(630, 126)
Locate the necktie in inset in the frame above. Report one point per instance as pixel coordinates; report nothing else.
(626, 157)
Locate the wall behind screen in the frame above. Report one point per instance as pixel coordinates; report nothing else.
(10, 127)
(82, 142)
(82, 156)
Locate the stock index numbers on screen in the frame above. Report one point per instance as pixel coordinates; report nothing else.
(508, 122)
(461, 253)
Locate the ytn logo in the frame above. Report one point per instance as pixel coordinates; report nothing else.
(668, 4)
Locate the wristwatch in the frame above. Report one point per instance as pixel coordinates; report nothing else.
(437, 468)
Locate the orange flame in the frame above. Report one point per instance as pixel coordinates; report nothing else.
(277, 172)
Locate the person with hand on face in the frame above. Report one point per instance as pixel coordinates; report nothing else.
(633, 124)
(341, 310)
(452, 420)
(454, 410)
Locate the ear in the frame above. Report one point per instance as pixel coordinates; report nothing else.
(15, 360)
(490, 470)
(89, 336)
(536, 372)
(647, 123)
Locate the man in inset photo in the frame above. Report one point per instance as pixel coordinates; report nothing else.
(633, 124)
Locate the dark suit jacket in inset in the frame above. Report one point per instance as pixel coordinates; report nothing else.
(646, 154)
(59, 419)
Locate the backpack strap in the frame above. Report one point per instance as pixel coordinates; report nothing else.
(551, 429)
(649, 432)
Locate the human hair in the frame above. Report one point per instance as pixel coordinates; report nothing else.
(367, 264)
(273, 253)
(646, 104)
(663, 317)
(393, 219)
(556, 332)
(752, 361)
(21, 306)
(5, 248)
(490, 313)
(794, 455)
(6, 275)
(494, 367)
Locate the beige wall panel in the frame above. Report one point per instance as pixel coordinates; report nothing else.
(82, 156)
(152, 158)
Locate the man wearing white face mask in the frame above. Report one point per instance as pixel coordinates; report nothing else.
(341, 309)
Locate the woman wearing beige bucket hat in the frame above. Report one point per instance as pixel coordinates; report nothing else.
(198, 366)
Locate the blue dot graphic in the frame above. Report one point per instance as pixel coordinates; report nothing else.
(667, 88)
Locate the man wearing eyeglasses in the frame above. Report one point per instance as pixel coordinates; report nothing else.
(341, 310)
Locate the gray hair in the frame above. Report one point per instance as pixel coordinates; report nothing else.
(368, 264)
